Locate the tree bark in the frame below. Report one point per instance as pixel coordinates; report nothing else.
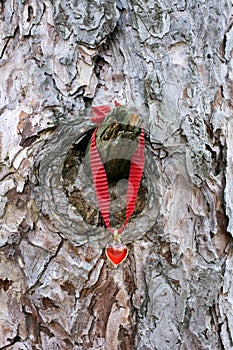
(171, 63)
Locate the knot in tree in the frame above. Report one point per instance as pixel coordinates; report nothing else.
(117, 139)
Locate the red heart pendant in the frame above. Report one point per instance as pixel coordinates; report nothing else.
(116, 252)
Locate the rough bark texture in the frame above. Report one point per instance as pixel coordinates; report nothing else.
(172, 62)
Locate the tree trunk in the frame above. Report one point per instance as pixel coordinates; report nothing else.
(170, 62)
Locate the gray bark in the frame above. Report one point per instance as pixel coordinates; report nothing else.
(171, 62)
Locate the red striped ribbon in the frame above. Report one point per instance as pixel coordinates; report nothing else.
(101, 183)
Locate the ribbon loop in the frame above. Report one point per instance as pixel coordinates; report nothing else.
(101, 183)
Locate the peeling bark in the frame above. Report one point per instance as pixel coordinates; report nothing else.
(172, 62)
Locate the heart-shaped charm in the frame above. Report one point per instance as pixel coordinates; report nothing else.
(116, 252)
